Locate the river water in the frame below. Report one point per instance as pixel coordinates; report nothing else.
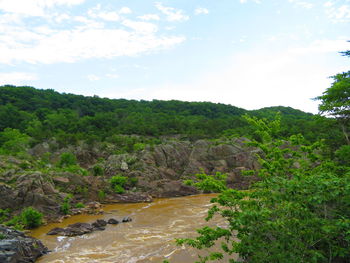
(148, 238)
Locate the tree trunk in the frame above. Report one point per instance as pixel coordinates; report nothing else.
(345, 133)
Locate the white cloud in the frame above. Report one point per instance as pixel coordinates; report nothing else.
(173, 14)
(96, 12)
(323, 46)
(245, 1)
(112, 76)
(77, 44)
(142, 27)
(16, 78)
(125, 10)
(337, 11)
(34, 7)
(201, 10)
(82, 37)
(148, 17)
(93, 77)
(303, 4)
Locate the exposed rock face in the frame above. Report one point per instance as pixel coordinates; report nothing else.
(160, 172)
(31, 190)
(16, 247)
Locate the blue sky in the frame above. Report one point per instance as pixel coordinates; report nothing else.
(247, 53)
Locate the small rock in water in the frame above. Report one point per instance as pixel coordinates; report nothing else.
(99, 223)
(56, 231)
(112, 221)
(126, 219)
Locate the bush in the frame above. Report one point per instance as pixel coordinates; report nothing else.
(67, 159)
(79, 205)
(65, 207)
(4, 214)
(117, 183)
(101, 195)
(139, 147)
(118, 180)
(119, 189)
(97, 170)
(31, 218)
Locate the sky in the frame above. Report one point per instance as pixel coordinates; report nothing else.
(247, 53)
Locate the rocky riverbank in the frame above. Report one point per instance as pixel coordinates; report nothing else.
(16, 247)
(158, 171)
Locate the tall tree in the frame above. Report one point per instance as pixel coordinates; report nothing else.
(335, 101)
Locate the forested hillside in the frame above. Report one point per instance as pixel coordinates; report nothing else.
(43, 114)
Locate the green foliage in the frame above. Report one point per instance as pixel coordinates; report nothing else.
(343, 155)
(67, 159)
(4, 215)
(31, 218)
(210, 183)
(75, 169)
(16, 222)
(188, 182)
(97, 170)
(335, 101)
(118, 180)
(13, 142)
(118, 189)
(298, 212)
(68, 118)
(117, 183)
(66, 205)
(79, 205)
(101, 195)
(139, 147)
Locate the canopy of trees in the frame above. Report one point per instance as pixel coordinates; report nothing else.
(43, 114)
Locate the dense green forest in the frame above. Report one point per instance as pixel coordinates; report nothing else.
(44, 114)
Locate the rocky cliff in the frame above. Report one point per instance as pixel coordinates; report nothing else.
(158, 170)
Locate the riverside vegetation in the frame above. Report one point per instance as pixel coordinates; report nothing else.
(60, 151)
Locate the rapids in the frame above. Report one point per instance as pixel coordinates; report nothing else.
(148, 238)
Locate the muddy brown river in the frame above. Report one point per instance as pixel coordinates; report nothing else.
(148, 238)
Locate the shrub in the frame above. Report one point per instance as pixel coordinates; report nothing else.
(139, 147)
(79, 205)
(67, 159)
(65, 207)
(16, 222)
(4, 214)
(118, 180)
(101, 195)
(118, 189)
(31, 218)
(97, 170)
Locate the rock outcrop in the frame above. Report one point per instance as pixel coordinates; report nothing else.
(16, 247)
(79, 229)
(158, 170)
